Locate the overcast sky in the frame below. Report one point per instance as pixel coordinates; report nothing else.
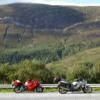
(56, 2)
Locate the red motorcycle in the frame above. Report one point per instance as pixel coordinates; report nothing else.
(30, 85)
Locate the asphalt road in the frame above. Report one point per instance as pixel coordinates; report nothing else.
(50, 96)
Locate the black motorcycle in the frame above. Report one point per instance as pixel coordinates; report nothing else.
(77, 85)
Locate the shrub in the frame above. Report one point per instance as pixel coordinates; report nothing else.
(88, 71)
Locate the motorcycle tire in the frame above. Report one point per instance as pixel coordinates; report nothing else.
(39, 89)
(62, 90)
(18, 89)
(87, 89)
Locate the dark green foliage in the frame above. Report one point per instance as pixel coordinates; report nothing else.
(32, 69)
(85, 64)
(25, 70)
(4, 73)
(47, 54)
(89, 72)
(95, 74)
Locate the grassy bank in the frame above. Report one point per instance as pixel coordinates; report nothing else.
(46, 90)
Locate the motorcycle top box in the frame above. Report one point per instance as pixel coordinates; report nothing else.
(30, 85)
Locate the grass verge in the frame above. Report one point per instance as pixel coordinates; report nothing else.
(46, 90)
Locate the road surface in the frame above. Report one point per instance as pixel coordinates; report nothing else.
(50, 96)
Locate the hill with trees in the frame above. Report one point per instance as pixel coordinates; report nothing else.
(51, 35)
(85, 64)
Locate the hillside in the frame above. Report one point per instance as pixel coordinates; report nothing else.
(47, 33)
(87, 31)
(53, 17)
(41, 16)
(85, 64)
(64, 38)
(87, 56)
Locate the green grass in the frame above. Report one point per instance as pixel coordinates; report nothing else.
(96, 89)
(90, 55)
(6, 90)
(46, 90)
(50, 90)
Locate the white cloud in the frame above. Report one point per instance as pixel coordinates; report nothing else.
(52, 2)
(43, 1)
(59, 2)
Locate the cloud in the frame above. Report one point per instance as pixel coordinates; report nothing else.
(57, 2)
(52, 2)
(64, 2)
(42, 1)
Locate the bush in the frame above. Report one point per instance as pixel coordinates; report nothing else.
(95, 74)
(88, 71)
(4, 73)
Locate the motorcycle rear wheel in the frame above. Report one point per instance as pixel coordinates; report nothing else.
(62, 90)
(18, 89)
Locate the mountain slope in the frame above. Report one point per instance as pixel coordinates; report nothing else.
(67, 39)
(42, 16)
(48, 33)
(90, 56)
(86, 31)
(30, 20)
(85, 65)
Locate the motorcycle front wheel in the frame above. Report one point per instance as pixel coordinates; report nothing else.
(62, 90)
(87, 89)
(39, 89)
